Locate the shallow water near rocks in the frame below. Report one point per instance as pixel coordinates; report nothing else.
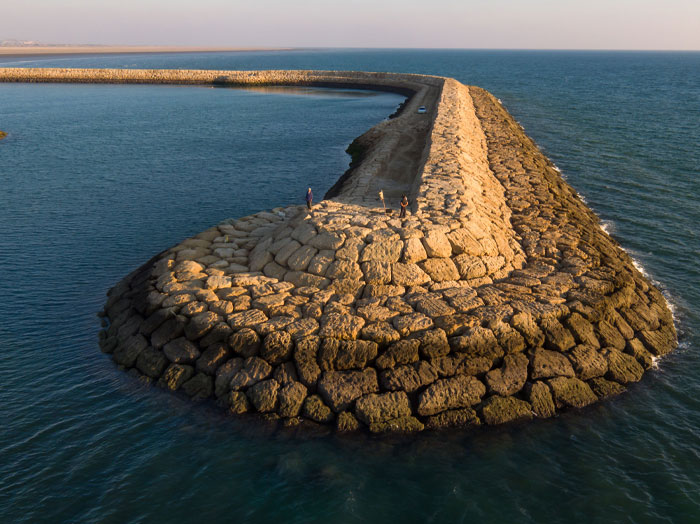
(96, 179)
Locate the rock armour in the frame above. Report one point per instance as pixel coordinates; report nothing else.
(499, 299)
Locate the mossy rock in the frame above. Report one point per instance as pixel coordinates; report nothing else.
(503, 410)
(453, 418)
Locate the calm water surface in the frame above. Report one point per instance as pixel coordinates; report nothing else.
(96, 179)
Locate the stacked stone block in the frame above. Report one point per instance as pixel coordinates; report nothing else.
(499, 299)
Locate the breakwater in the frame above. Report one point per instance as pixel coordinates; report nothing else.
(498, 297)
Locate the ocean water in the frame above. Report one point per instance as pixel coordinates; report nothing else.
(96, 179)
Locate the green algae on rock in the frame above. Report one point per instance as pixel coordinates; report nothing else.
(499, 299)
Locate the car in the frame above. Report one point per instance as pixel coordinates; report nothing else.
(422, 110)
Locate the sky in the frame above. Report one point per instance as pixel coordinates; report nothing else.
(492, 24)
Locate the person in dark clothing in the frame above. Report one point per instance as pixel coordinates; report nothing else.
(404, 205)
(309, 198)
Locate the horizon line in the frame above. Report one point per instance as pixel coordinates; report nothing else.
(217, 48)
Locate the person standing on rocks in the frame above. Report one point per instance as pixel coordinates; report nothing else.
(309, 198)
(404, 205)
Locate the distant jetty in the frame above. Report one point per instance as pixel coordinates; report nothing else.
(498, 299)
(19, 49)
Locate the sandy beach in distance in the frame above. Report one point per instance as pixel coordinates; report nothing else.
(87, 50)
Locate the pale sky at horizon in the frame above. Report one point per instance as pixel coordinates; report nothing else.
(511, 24)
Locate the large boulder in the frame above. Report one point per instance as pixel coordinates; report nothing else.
(254, 370)
(246, 319)
(540, 398)
(156, 320)
(401, 352)
(260, 256)
(315, 409)
(546, 364)
(346, 421)
(571, 392)
(659, 342)
(305, 360)
(508, 337)
(440, 269)
(437, 245)
(126, 353)
(636, 348)
(605, 388)
(433, 307)
(411, 323)
(477, 341)
(408, 378)
(238, 402)
(588, 362)
(377, 272)
(408, 274)
(300, 259)
(413, 251)
(181, 351)
(222, 382)
(213, 357)
(380, 332)
(383, 251)
(450, 393)
(502, 410)
(291, 399)
(453, 418)
(245, 342)
(277, 348)
(341, 388)
(199, 386)
(327, 240)
(344, 269)
(175, 376)
(582, 330)
(623, 368)
(463, 242)
(433, 343)
(510, 377)
(557, 337)
(341, 326)
(151, 362)
(345, 354)
(610, 336)
(263, 395)
(382, 407)
(169, 330)
(469, 267)
(528, 328)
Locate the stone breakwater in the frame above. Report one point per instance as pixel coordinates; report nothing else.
(498, 299)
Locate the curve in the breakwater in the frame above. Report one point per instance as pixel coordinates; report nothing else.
(498, 299)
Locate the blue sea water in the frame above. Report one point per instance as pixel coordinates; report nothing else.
(96, 179)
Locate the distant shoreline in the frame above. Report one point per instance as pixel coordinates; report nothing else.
(19, 52)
